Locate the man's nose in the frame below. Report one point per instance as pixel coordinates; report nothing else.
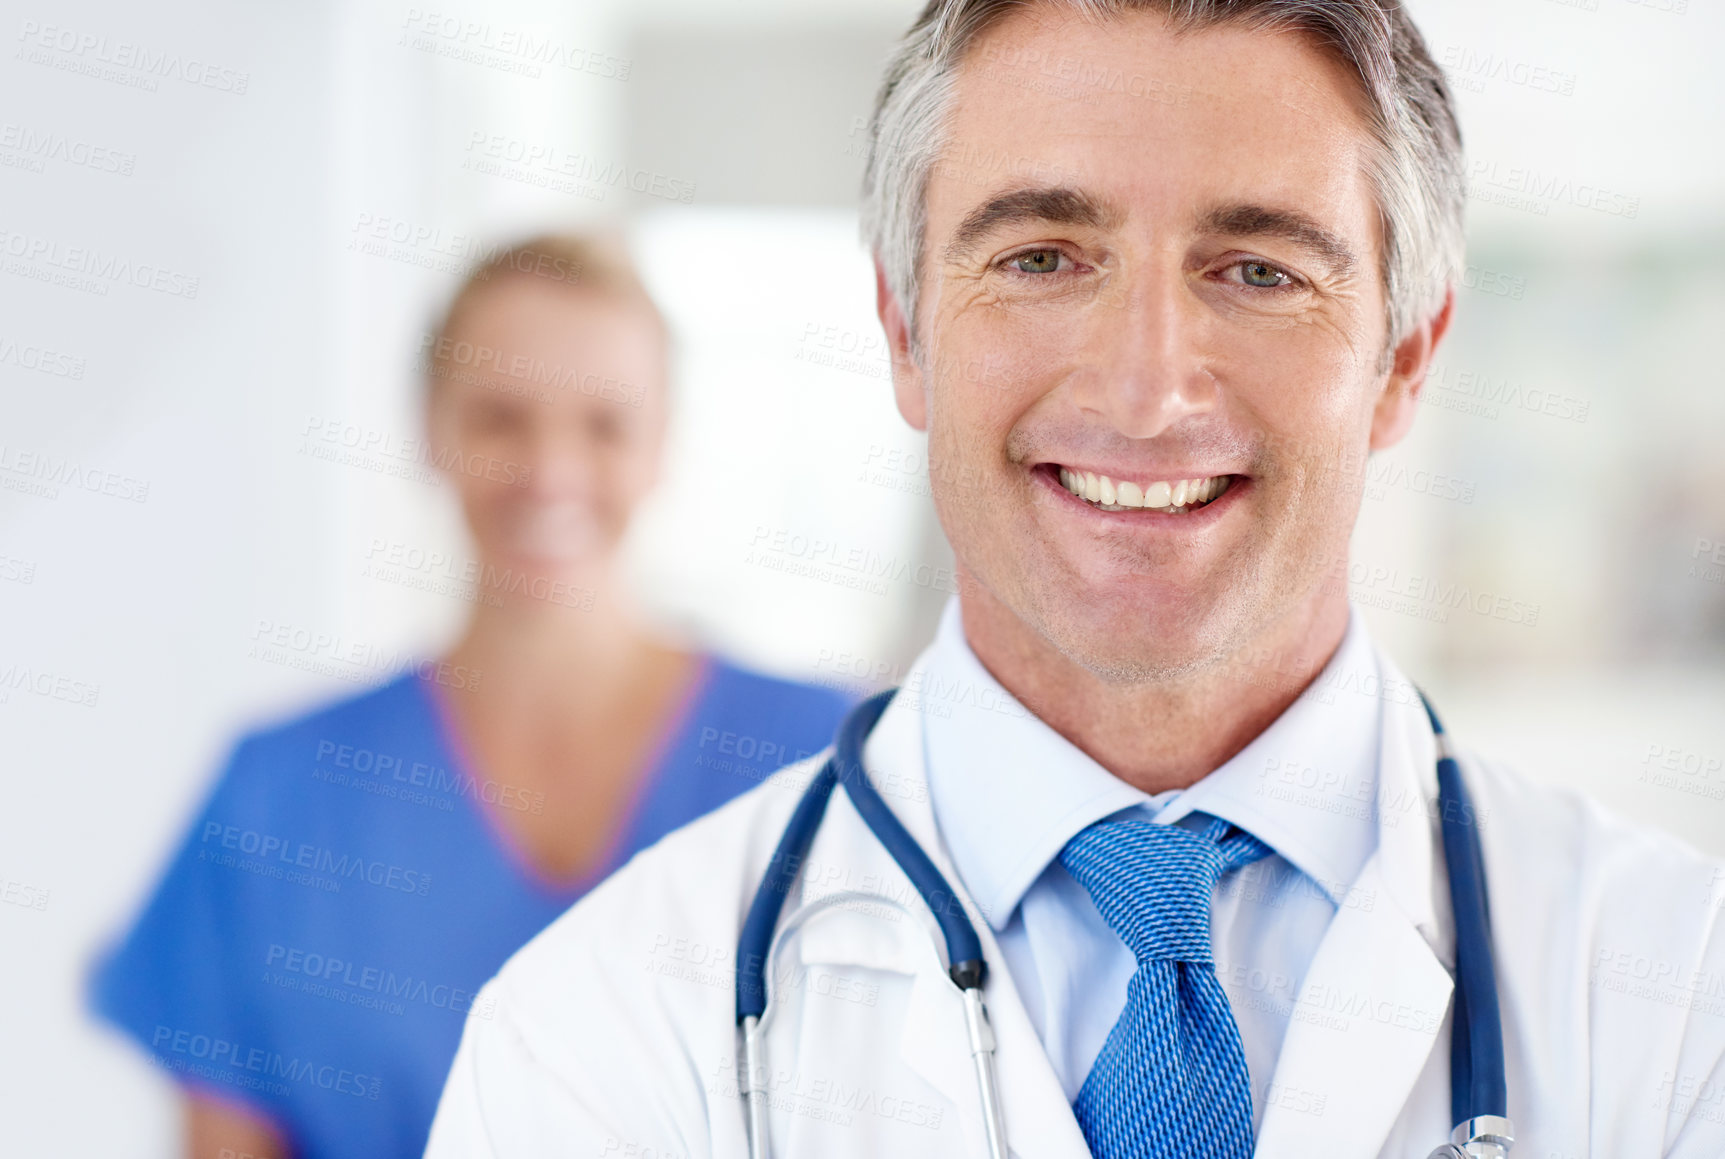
(1148, 366)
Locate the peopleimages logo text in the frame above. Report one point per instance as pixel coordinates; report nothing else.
(227, 1060)
(315, 858)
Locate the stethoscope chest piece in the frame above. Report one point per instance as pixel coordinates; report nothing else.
(1482, 1137)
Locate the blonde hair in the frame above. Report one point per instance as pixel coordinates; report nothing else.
(597, 263)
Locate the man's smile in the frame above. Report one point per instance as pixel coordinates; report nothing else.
(1167, 496)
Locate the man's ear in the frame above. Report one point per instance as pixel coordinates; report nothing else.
(1394, 414)
(907, 382)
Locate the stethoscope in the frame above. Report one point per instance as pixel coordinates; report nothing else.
(1478, 1100)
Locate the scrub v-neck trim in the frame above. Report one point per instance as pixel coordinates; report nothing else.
(647, 780)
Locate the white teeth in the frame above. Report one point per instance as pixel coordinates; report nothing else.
(1180, 495)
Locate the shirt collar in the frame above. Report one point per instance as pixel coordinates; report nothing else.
(1009, 792)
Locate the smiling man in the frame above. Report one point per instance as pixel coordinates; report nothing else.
(1158, 279)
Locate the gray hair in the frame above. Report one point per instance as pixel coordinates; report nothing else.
(1416, 174)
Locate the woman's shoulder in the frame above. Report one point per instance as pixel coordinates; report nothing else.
(772, 720)
(386, 733)
(377, 715)
(753, 692)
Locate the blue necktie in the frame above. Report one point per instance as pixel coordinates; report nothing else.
(1171, 1079)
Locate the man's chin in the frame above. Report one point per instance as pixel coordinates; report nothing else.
(1127, 644)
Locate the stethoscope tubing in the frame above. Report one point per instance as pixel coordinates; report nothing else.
(1478, 1088)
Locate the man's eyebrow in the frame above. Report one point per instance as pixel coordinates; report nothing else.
(1258, 221)
(1057, 205)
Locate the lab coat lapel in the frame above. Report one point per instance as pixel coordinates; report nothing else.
(1374, 1000)
(1039, 1121)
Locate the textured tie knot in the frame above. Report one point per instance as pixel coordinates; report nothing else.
(1152, 883)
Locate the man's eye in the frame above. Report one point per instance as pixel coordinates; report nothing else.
(1262, 275)
(1038, 262)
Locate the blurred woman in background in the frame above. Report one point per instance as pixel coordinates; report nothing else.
(304, 969)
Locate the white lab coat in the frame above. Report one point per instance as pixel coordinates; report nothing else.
(613, 1032)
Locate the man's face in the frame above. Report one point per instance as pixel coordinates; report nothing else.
(1166, 272)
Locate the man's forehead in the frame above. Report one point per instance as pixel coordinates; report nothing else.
(1074, 115)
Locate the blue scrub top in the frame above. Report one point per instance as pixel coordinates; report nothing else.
(319, 938)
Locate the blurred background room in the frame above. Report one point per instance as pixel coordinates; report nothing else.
(227, 231)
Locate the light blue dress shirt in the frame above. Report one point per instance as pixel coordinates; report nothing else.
(1009, 792)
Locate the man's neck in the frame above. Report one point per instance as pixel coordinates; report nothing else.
(1159, 734)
